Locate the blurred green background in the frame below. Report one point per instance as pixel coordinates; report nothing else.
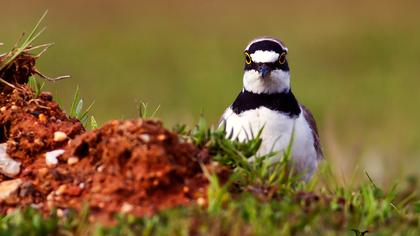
(356, 64)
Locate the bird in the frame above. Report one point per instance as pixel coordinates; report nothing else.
(266, 103)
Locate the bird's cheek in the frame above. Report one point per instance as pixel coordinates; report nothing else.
(279, 74)
(252, 75)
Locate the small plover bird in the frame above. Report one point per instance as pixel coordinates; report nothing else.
(266, 102)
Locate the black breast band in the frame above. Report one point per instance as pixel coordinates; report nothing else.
(284, 102)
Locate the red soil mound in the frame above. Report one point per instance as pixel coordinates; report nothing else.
(133, 166)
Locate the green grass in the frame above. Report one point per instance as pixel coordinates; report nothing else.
(77, 111)
(254, 201)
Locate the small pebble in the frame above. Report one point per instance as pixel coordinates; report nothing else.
(51, 157)
(100, 168)
(9, 187)
(14, 107)
(8, 166)
(50, 196)
(59, 136)
(201, 201)
(3, 109)
(145, 137)
(161, 137)
(60, 213)
(42, 117)
(72, 160)
(60, 190)
(126, 207)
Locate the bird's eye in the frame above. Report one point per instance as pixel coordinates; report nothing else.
(248, 59)
(282, 58)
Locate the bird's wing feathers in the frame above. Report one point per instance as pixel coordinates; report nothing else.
(223, 117)
(312, 124)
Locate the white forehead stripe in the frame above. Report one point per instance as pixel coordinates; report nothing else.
(260, 56)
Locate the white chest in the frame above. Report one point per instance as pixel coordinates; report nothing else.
(276, 134)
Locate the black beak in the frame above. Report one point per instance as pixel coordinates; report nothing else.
(264, 70)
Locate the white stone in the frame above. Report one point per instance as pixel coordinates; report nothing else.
(100, 168)
(7, 188)
(8, 166)
(145, 137)
(126, 208)
(51, 157)
(60, 213)
(59, 136)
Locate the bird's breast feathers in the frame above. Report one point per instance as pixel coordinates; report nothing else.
(276, 134)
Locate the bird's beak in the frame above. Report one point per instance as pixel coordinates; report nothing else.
(264, 70)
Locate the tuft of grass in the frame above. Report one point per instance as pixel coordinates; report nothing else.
(27, 47)
(143, 111)
(35, 33)
(93, 123)
(77, 111)
(36, 85)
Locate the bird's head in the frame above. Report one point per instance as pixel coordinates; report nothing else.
(266, 67)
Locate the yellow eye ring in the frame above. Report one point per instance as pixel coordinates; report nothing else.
(282, 58)
(248, 59)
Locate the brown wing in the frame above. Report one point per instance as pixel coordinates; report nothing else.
(312, 124)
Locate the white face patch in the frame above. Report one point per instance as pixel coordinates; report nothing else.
(260, 56)
(277, 82)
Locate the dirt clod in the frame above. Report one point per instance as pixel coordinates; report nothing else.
(18, 71)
